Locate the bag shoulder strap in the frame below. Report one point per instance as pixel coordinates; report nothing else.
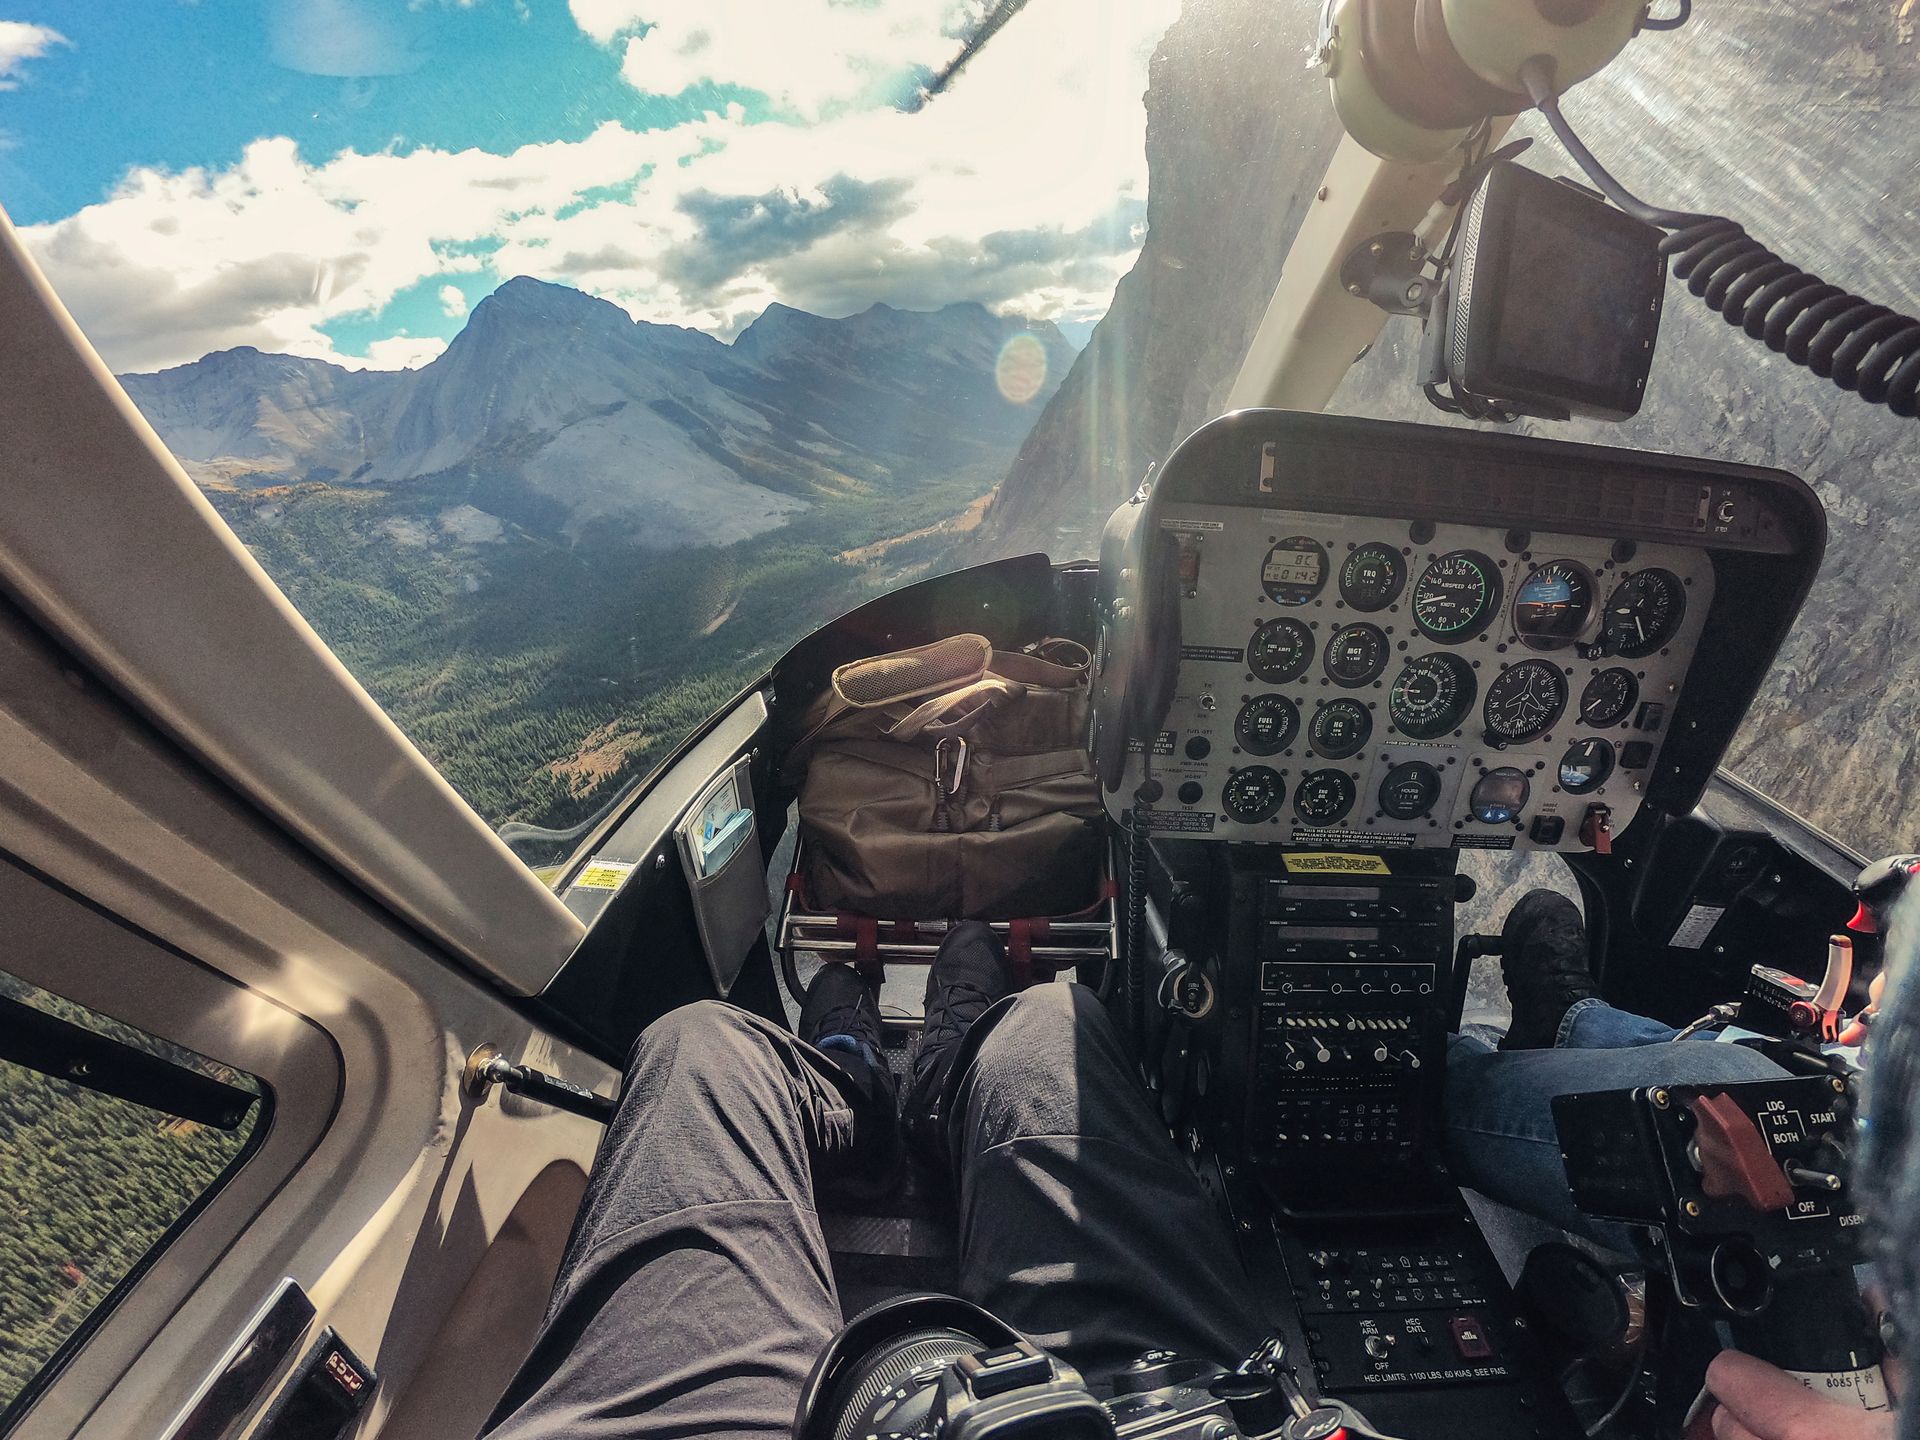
(957, 711)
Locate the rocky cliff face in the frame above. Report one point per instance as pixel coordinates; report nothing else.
(1807, 138)
(1237, 139)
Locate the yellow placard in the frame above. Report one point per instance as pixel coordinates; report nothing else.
(1319, 862)
(602, 875)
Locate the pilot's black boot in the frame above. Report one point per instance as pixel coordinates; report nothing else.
(967, 976)
(842, 1019)
(1544, 961)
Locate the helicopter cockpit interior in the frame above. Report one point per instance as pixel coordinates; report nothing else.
(1264, 775)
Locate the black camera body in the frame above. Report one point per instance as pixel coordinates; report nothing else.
(933, 1367)
(1747, 1191)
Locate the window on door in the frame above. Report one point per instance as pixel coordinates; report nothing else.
(111, 1140)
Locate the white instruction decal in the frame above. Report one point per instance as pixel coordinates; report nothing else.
(1694, 930)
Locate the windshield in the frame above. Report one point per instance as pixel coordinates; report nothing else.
(566, 362)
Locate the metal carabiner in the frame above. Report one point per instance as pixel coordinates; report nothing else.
(951, 751)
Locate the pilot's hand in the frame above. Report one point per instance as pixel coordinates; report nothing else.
(1856, 1033)
(1760, 1402)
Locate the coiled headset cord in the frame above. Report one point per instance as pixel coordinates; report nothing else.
(1133, 967)
(1868, 349)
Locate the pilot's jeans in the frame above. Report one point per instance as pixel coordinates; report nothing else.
(1501, 1139)
(695, 1291)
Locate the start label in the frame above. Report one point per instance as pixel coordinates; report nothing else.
(1320, 862)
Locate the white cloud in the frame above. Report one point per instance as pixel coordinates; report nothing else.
(453, 300)
(21, 42)
(401, 352)
(805, 55)
(1022, 188)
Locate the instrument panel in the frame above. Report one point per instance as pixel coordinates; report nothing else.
(1363, 681)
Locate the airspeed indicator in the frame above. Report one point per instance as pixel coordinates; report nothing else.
(1456, 596)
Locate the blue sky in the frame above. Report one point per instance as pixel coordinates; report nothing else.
(345, 178)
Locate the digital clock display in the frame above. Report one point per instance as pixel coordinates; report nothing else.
(1292, 567)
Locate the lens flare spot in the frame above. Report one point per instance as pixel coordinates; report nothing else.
(1021, 369)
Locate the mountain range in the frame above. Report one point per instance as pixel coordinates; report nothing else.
(557, 547)
(568, 418)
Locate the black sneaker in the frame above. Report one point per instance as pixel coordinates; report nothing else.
(1544, 961)
(967, 976)
(842, 1017)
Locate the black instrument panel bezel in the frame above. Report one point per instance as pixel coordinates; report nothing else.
(1764, 530)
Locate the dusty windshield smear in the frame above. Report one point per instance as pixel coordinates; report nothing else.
(562, 404)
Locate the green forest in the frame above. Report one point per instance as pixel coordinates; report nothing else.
(88, 1183)
(541, 675)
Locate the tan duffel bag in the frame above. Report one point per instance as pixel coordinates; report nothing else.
(952, 782)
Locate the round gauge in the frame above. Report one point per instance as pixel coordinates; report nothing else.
(1371, 577)
(1409, 790)
(1294, 570)
(1253, 794)
(1339, 728)
(1609, 697)
(1431, 695)
(1524, 700)
(1280, 651)
(1500, 796)
(1456, 596)
(1553, 604)
(1266, 725)
(1644, 613)
(1323, 796)
(1356, 655)
(1586, 766)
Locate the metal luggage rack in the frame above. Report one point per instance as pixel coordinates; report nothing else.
(1037, 949)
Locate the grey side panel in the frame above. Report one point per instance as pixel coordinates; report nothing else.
(110, 544)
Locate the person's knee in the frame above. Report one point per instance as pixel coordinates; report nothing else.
(1706, 1062)
(1030, 1072)
(708, 1035)
(1038, 1029)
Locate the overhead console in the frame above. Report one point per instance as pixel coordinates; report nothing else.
(1319, 630)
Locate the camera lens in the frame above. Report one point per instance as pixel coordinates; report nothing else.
(913, 1363)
